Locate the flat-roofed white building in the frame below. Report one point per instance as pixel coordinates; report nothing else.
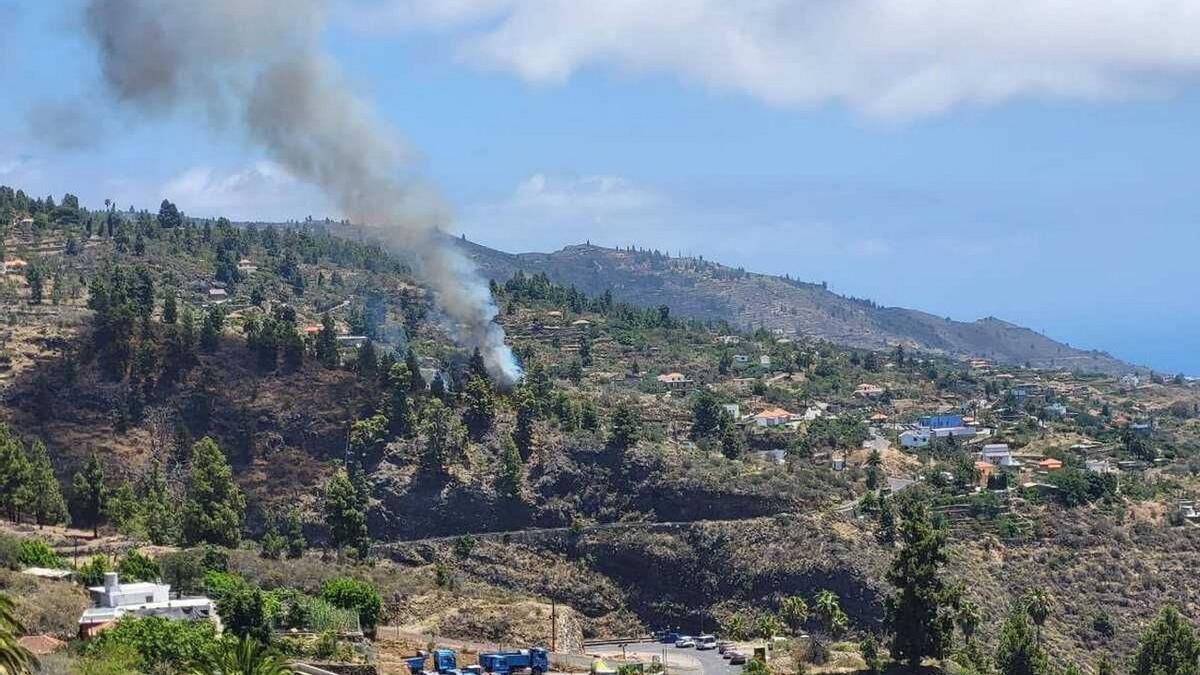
(114, 600)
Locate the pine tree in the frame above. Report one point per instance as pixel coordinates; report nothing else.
(214, 508)
(416, 383)
(626, 427)
(160, 509)
(368, 439)
(15, 476)
(445, 438)
(919, 612)
(1169, 646)
(511, 478)
(732, 443)
(401, 419)
(48, 505)
(524, 435)
(326, 347)
(272, 543)
(480, 406)
(706, 414)
(90, 493)
(477, 365)
(344, 512)
(293, 531)
(1018, 652)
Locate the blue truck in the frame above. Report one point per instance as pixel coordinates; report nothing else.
(535, 659)
(444, 663)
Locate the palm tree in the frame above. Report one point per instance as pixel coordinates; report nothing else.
(830, 609)
(794, 612)
(243, 657)
(14, 658)
(1038, 605)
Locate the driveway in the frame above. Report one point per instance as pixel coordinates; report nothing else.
(683, 661)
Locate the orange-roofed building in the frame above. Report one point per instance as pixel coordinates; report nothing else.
(985, 469)
(772, 417)
(1050, 464)
(312, 330)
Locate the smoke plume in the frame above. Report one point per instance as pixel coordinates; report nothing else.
(258, 66)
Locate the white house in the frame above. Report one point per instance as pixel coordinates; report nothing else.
(734, 410)
(921, 436)
(770, 456)
(350, 341)
(868, 390)
(674, 380)
(764, 361)
(114, 600)
(1129, 382)
(998, 454)
(741, 359)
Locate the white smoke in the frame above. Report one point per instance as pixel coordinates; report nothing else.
(260, 66)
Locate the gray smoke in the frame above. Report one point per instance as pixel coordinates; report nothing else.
(258, 66)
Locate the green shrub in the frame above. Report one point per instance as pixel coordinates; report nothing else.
(91, 573)
(10, 552)
(356, 595)
(220, 584)
(161, 644)
(137, 567)
(37, 553)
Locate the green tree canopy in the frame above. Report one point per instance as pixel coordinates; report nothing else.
(214, 507)
(1168, 646)
(344, 512)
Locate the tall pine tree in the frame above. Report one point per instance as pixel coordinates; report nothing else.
(920, 611)
(214, 508)
(47, 504)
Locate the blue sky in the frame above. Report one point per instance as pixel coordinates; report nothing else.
(1054, 190)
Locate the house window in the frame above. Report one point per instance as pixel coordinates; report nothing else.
(149, 599)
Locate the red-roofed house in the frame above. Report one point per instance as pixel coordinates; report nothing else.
(772, 417)
(674, 380)
(1050, 464)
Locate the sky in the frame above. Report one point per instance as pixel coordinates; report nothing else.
(1028, 160)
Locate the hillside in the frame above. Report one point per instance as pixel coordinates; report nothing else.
(707, 290)
(642, 448)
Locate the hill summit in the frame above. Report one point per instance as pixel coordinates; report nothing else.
(703, 289)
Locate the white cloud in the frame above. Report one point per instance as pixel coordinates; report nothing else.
(263, 191)
(885, 58)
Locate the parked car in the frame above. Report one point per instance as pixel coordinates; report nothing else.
(668, 636)
(736, 658)
(684, 642)
(706, 642)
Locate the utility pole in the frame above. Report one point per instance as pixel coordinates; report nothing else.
(553, 626)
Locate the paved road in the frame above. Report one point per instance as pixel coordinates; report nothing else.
(690, 661)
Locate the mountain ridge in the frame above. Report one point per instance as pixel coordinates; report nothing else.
(703, 289)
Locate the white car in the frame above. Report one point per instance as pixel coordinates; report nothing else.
(684, 642)
(706, 642)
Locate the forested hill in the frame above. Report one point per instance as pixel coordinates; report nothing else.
(703, 289)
